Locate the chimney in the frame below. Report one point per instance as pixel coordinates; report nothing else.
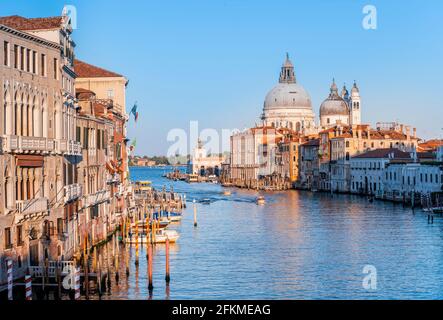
(401, 129)
(408, 133)
(414, 130)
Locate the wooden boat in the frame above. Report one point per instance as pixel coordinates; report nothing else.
(143, 186)
(174, 216)
(205, 201)
(192, 178)
(164, 222)
(160, 237)
(260, 200)
(227, 192)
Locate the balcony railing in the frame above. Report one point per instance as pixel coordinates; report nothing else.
(72, 192)
(24, 144)
(27, 209)
(74, 148)
(39, 145)
(96, 198)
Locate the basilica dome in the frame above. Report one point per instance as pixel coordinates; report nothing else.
(287, 96)
(288, 105)
(334, 104)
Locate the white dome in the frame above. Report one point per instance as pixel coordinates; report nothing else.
(287, 96)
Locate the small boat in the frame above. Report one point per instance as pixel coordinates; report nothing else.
(192, 178)
(205, 201)
(260, 200)
(159, 237)
(174, 216)
(163, 223)
(227, 192)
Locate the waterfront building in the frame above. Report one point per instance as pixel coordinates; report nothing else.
(95, 130)
(368, 169)
(407, 179)
(39, 191)
(110, 88)
(356, 139)
(309, 165)
(288, 104)
(203, 164)
(287, 156)
(253, 154)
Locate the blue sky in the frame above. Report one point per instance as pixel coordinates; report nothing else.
(214, 61)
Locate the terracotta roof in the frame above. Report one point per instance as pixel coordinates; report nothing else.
(23, 24)
(84, 94)
(313, 143)
(86, 70)
(384, 153)
(430, 145)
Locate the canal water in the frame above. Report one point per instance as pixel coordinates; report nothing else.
(300, 245)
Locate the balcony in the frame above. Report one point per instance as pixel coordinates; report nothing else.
(72, 192)
(96, 198)
(24, 144)
(68, 147)
(74, 148)
(31, 209)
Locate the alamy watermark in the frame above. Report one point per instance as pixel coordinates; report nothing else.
(71, 11)
(370, 19)
(370, 278)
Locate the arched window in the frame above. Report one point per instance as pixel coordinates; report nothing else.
(297, 126)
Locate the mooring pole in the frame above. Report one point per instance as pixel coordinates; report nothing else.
(195, 213)
(167, 277)
(150, 286)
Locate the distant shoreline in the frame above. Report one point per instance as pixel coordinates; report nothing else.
(160, 166)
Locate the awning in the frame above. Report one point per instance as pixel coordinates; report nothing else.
(29, 161)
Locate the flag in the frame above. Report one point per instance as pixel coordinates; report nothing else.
(134, 111)
(133, 144)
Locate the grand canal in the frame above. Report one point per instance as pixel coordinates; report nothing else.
(299, 245)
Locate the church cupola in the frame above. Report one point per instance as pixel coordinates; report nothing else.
(287, 74)
(345, 93)
(334, 89)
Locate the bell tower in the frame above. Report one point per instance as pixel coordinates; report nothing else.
(355, 105)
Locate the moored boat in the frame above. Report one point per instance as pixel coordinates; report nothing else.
(174, 216)
(260, 200)
(159, 237)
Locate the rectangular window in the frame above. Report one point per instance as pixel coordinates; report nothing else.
(98, 139)
(60, 226)
(28, 60)
(16, 56)
(22, 58)
(6, 53)
(43, 65)
(19, 235)
(78, 134)
(85, 138)
(34, 62)
(8, 239)
(55, 68)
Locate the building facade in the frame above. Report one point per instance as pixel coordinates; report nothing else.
(40, 154)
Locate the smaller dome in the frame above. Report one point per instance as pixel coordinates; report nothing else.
(334, 104)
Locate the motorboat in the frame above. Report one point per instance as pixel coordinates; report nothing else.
(205, 201)
(260, 200)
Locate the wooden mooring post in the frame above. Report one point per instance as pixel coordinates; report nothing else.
(150, 286)
(167, 277)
